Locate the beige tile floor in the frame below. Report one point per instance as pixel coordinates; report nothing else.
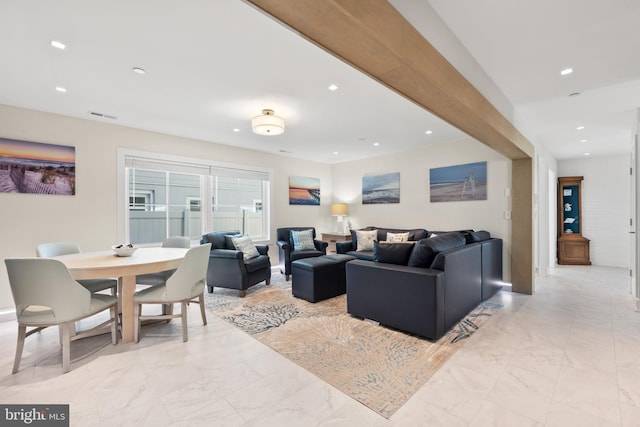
(567, 356)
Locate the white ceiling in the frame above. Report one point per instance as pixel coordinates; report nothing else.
(213, 65)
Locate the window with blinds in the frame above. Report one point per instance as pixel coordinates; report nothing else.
(169, 196)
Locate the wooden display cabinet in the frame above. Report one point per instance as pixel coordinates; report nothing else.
(573, 247)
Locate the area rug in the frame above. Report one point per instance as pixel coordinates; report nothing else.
(378, 366)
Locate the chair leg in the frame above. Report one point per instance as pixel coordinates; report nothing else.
(22, 332)
(184, 305)
(136, 322)
(287, 277)
(114, 324)
(202, 310)
(242, 293)
(66, 345)
(267, 282)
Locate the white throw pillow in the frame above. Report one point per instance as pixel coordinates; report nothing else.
(398, 237)
(302, 240)
(245, 245)
(365, 239)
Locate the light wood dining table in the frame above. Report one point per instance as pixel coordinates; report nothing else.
(104, 264)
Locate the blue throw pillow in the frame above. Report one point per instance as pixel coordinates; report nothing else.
(302, 240)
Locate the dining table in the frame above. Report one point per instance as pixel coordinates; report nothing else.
(105, 264)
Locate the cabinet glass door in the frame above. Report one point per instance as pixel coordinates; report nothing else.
(570, 208)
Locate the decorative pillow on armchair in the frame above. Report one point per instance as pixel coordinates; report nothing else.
(302, 240)
(365, 239)
(245, 245)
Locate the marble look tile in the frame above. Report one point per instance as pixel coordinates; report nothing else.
(590, 391)
(561, 416)
(320, 399)
(567, 355)
(525, 392)
(491, 414)
(629, 386)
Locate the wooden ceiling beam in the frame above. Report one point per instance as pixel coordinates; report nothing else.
(374, 37)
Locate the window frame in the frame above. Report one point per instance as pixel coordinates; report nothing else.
(206, 196)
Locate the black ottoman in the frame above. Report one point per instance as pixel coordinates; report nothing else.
(319, 278)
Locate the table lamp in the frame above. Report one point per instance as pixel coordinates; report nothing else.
(340, 210)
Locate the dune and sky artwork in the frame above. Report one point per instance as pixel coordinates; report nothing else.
(458, 183)
(34, 167)
(380, 189)
(304, 190)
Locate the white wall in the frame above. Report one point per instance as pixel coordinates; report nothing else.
(90, 217)
(415, 210)
(605, 205)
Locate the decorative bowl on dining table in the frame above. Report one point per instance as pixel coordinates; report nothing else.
(124, 249)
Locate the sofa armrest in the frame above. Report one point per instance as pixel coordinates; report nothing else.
(406, 298)
(263, 249)
(344, 247)
(283, 245)
(321, 246)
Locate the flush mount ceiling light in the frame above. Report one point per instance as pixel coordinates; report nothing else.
(268, 123)
(566, 71)
(59, 45)
(139, 70)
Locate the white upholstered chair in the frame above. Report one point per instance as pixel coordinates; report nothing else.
(52, 249)
(159, 278)
(45, 294)
(184, 285)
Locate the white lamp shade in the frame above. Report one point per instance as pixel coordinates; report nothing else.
(267, 124)
(339, 209)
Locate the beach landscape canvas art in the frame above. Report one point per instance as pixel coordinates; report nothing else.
(458, 183)
(304, 190)
(379, 189)
(34, 167)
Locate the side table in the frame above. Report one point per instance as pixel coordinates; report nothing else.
(332, 238)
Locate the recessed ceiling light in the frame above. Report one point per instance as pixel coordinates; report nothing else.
(139, 70)
(333, 88)
(335, 153)
(574, 94)
(58, 45)
(566, 71)
(236, 130)
(61, 89)
(580, 127)
(583, 140)
(587, 154)
(376, 144)
(429, 132)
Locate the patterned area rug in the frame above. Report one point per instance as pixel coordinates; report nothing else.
(380, 367)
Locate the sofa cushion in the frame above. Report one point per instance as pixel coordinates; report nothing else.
(245, 245)
(476, 236)
(365, 239)
(392, 252)
(302, 240)
(218, 239)
(397, 237)
(425, 250)
(257, 263)
(364, 255)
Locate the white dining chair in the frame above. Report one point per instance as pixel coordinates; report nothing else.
(53, 249)
(185, 284)
(159, 278)
(45, 294)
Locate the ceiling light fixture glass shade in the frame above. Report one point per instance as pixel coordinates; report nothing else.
(268, 123)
